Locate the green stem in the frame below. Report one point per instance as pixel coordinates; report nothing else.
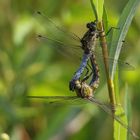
(105, 59)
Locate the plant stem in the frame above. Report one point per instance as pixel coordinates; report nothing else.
(105, 59)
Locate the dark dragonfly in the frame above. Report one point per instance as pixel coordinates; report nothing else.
(88, 43)
(84, 91)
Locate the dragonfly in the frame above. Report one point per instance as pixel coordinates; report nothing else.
(86, 45)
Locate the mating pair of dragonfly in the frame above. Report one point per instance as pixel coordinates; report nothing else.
(80, 84)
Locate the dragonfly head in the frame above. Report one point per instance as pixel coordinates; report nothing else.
(92, 26)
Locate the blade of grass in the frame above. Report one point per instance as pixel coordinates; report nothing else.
(119, 131)
(127, 107)
(105, 19)
(123, 25)
(97, 6)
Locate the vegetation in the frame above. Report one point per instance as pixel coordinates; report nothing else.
(30, 67)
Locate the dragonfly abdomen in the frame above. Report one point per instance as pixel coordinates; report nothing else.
(79, 72)
(96, 75)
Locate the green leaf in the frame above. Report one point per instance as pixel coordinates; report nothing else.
(116, 86)
(120, 133)
(123, 25)
(105, 19)
(127, 106)
(97, 6)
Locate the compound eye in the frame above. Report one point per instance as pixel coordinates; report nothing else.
(88, 25)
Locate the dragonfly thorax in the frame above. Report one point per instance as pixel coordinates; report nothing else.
(89, 38)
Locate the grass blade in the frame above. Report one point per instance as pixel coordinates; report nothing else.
(119, 131)
(97, 6)
(127, 107)
(123, 25)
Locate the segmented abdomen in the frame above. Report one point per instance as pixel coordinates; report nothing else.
(96, 75)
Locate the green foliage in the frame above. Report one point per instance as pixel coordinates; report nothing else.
(30, 67)
(97, 6)
(119, 131)
(123, 25)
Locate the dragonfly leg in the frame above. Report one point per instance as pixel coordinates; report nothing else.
(110, 29)
(87, 71)
(89, 65)
(87, 76)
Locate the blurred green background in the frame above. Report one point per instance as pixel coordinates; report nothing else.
(29, 67)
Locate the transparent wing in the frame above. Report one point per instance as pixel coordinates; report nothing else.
(53, 30)
(122, 64)
(117, 118)
(68, 100)
(77, 100)
(68, 50)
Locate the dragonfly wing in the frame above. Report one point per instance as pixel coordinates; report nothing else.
(108, 110)
(123, 65)
(125, 46)
(53, 29)
(67, 50)
(68, 100)
(73, 99)
(66, 43)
